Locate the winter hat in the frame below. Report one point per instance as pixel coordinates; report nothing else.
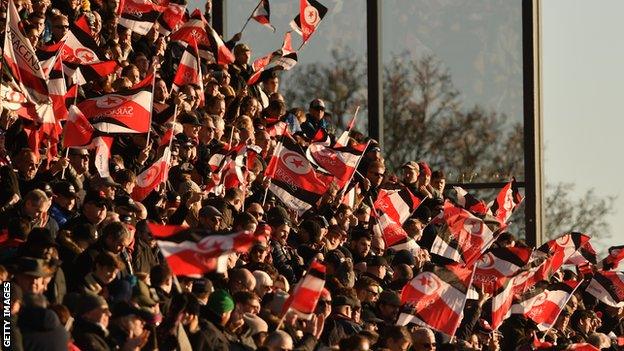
(220, 302)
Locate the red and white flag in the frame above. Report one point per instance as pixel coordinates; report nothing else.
(171, 18)
(189, 257)
(139, 15)
(306, 294)
(48, 55)
(497, 265)
(78, 131)
(608, 287)
(123, 111)
(80, 47)
(152, 177)
(545, 307)
(22, 62)
(262, 14)
(189, 70)
(438, 295)
(241, 161)
(465, 200)
(222, 54)
(613, 259)
(341, 162)
(582, 347)
(102, 146)
(398, 203)
(565, 248)
(460, 236)
(293, 179)
(506, 201)
(391, 231)
(312, 12)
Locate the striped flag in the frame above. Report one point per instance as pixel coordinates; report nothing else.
(311, 12)
(497, 265)
(608, 287)
(306, 294)
(544, 307)
(152, 177)
(171, 18)
(262, 14)
(506, 201)
(438, 295)
(139, 15)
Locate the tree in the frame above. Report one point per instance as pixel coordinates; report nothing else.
(424, 120)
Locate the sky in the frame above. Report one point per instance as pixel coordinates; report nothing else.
(583, 72)
(479, 41)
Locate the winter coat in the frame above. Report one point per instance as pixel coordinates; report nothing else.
(41, 330)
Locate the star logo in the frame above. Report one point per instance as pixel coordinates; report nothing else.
(85, 55)
(427, 283)
(110, 101)
(295, 162)
(311, 16)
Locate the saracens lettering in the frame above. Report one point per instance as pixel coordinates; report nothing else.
(117, 112)
(23, 51)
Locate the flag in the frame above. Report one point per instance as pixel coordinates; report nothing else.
(78, 131)
(341, 162)
(262, 14)
(460, 236)
(306, 294)
(613, 259)
(164, 230)
(312, 13)
(187, 256)
(152, 177)
(171, 18)
(80, 46)
(277, 128)
(388, 229)
(102, 146)
(123, 111)
(241, 161)
(608, 287)
(222, 54)
(22, 62)
(210, 45)
(398, 203)
(585, 254)
(506, 201)
(497, 265)
(565, 247)
(48, 56)
(438, 295)
(293, 179)
(189, 69)
(139, 15)
(465, 200)
(57, 89)
(81, 73)
(582, 347)
(544, 307)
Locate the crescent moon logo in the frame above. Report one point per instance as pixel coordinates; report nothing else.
(311, 15)
(296, 163)
(85, 55)
(563, 241)
(150, 176)
(486, 261)
(540, 299)
(427, 283)
(473, 226)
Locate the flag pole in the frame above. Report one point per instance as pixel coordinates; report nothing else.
(151, 107)
(66, 156)
(474, 269)
(352, 122)
(250, 16)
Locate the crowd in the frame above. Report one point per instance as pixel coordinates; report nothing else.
(85, 272)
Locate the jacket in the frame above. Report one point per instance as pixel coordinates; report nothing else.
(41, 330)
(89, 336)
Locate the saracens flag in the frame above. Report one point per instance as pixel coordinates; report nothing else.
(464, 199)
(312, 12)
(80, 47)
(77, 131)
(192, 252)
(123, 111)
(438, 295)
(139, 15)
(24, 66)
(545, 307)
(458, 235)
(497, 265)
(397, 203)
(208, 41)
(262, 14)
(285, 58)
(608, 287)
(189, 70)
(306, 294)
(341, 162)
(171, 18)
(152, 177)
(293, 179)
(565, 247)
(506, 201)
(613, 259)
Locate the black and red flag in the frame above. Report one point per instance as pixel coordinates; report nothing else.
(465, 200)
(80, 46)
(189, 70)
(613, 259)
(307, 292)
(311, 12)
(123, 111)
(341, 162)
(152, 177)
(506, 201)
(208, 41)
(608, 287)
(544, 307)
(78, 131)
(459, 235)
(293, 179)
(397, 203)
(139, 15)
(171, 18)
(438, 295)
(497, 265)
(564, 248)
(262, 14)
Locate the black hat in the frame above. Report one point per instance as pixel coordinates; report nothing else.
(89, 302)
(85, 231)
(65, 189)
(277, 216)
(403, 257)
(40, 238)
(123, 309)
(188, 118)
(210, 211)
(127, 202)
(32, 266)
(317, 104)
(342, 300)
(369, 317)
(96, 197)
(78, 151)
(202, 286)
(376, 261)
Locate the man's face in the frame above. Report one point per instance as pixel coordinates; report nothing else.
(375, 175)
(191, 130)
(100, 315)
(438, 184)
(134, 76)
(31, 284)
(28, 166)
(105, 274)
(423, 340)
(317, 113)
(60, 27)
(410, 175)
(398, 345)
(116, 245)
(389, 312)
(271, 85)
(35, 210)
(207, 132)
(242, 57)
(66, 203)
(280, 234)
(142, 63)
(80, 163)
(252, 306)
(94, 213)
(218, 109)
(362, 246)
